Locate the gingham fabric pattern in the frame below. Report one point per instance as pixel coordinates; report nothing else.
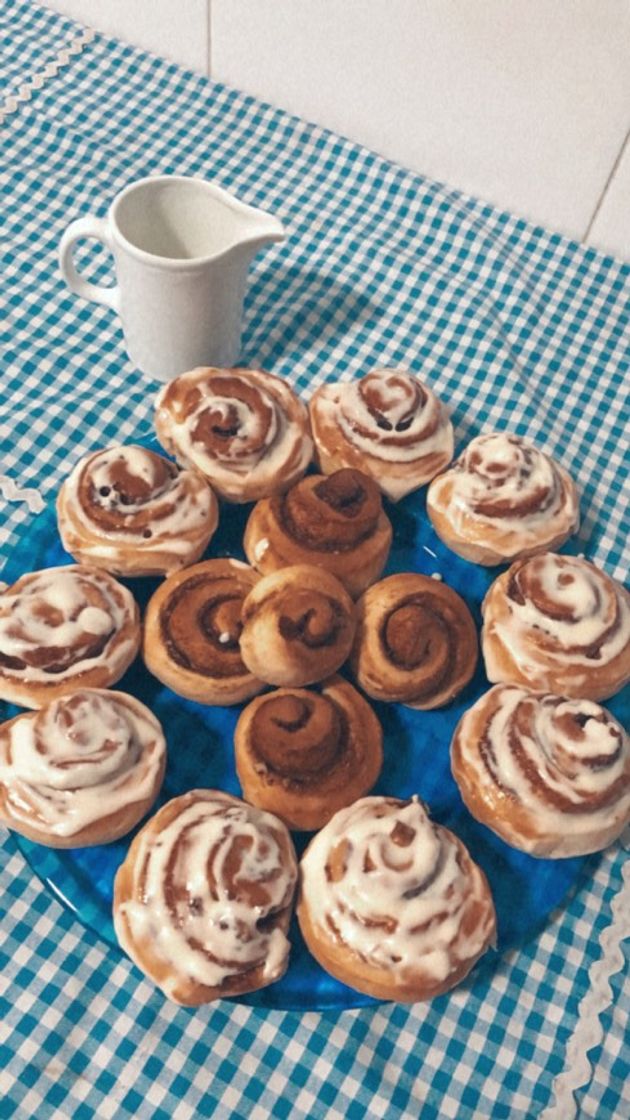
(517, 328)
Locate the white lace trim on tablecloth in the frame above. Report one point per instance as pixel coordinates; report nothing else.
(11, 492)
(63, 58)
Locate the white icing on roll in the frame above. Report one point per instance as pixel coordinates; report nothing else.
(81, 758)
(198, 876)
(508, 485)
(59, 622)
(402, 894)
(133, 497)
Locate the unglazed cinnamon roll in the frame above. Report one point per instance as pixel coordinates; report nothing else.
(203, 899)
(416, 641)
(551, 776)
(303, 755)
(558, 624)
(134, 513)
(388, 424)
(245, 430)
(192, 630)
(391, 903)
(81, 771)
(298, 626)
(334, 522)
(503, 499)
(63, 629)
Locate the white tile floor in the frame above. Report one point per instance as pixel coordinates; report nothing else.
(525, 105)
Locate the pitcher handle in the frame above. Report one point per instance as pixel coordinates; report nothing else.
(97, 228)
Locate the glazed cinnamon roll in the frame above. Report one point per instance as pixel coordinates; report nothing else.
(335, 523)
(391, 903)
(558, 624)
(192, 631)
(388, 424)
(203, 899)
(551, 776)
(303, 755)
(134, 513)
(416, 641)
(503, 499)
(298, 626)
(62, 629)
(244, 430)
(81, 771)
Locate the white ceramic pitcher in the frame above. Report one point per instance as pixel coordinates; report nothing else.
(182, 248)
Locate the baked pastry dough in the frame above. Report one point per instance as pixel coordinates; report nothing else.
(203, 899)
(551, 776)
(558, 624)
(245, 430)
(192, 629)
(388, 424)
(303, 754)
(81, 771)
(298, 626)
(134, 513)
(62, 629)
(336, 523)
(391, 903)
(503, 499)
(416, 641)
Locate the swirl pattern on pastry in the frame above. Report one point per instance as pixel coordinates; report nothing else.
(388, 424)
(416, 641)
(62, 629)
(335, 522)
(133, 512)
(551, 776)
(391, 903)
(298, 626)
(303, 755)
(503, 499)
(202, 901)
(192, 632)
(558, 624)
(81, 771)
(245, 430)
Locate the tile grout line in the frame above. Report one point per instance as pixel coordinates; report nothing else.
(604, 192)
(209, 38)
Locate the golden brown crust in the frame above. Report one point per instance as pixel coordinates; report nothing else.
(132, 512)
(245, 430)
(186, 908)
(416, 641)
(558, 624)
(62, 629)
(298, 626)
(501, 500)
(335, 522)
(550, 776)
(303, 755)
(192, 631)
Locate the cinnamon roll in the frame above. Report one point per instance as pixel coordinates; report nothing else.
(502, 500)
(62, 629)
(388, 424)
(203, 899)
(391, 903)
(134, 513)
(298, 626)
(81, 771)
(550, 776)
(303, 755)
(244, 430)
(557, 624)
(192, 630)
(416, 641)
(335, 522)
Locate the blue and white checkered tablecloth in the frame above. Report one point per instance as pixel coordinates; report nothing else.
(517, 328)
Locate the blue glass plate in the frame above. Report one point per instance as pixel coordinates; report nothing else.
(416, 747)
